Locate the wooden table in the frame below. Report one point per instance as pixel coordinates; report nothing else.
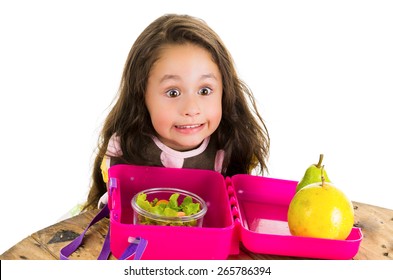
(376, 224)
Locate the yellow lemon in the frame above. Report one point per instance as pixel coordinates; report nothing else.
(320, 210)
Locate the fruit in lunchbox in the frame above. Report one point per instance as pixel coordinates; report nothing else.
(321, 210)
(313, 174)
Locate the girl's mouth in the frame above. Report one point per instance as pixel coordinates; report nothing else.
(188, 126)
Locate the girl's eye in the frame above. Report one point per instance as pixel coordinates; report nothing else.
(173, 93)
(205, 91)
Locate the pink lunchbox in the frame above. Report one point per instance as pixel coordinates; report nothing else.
(244, 208)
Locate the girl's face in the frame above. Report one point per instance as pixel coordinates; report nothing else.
(183, 96)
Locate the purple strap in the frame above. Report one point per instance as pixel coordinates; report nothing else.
(136, 247)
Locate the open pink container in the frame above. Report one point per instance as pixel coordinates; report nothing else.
(247, 209)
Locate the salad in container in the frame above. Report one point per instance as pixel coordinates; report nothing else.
(168, 207)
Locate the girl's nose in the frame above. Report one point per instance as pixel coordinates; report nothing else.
(191, 106)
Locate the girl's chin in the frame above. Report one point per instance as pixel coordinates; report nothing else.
(185, 145)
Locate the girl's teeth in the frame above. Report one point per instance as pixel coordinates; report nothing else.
(188, 126)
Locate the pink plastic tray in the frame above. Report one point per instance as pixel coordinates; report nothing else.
(214, 240)
(244, 208)
(263, 205)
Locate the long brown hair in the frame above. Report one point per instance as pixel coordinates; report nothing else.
(241, 133)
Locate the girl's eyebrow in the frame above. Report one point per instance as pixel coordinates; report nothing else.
(177, 77)
(170, 77)
(209, 76)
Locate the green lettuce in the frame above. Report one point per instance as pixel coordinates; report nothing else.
(170, 209)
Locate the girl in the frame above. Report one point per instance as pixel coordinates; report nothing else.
(181, 104)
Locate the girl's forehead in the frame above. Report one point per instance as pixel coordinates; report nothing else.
(176, 58)
(170, 51)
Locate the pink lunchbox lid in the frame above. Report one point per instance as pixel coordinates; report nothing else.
(262, 211)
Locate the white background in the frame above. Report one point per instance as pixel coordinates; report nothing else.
(322, 75)
(114, 270)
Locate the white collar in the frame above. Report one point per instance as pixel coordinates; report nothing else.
(187, 154)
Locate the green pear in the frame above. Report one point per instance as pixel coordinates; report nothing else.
(313, 174)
